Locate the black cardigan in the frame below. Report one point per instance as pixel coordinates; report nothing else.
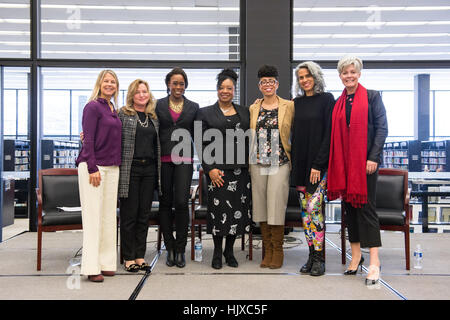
(213, 118)
(377, 130)
(167, 126)
(311, 132)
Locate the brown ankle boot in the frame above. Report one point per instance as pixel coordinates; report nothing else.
(277, 244)
(266, 238)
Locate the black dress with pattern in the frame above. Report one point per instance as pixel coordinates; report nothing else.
(229, 211)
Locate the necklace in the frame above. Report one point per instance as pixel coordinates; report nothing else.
(226, 110)
(176, 107)
(145, 123)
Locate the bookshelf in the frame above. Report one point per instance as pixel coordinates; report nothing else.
(402, 155)
(58, 153)
(16, 155)
(435, 156)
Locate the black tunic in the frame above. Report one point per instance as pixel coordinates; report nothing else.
(311, 134)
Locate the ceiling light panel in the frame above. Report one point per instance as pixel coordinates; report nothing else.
(400, 30)
(15, 26)
(152, 30)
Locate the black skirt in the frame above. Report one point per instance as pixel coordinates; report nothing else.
(229, 211)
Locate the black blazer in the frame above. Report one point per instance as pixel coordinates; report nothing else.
(213, 118)
(167, 126)
(377, 130)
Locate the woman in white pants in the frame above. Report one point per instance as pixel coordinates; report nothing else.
(98, 177)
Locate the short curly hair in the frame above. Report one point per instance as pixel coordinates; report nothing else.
(268, 71)
(349, 60)
(175, 71)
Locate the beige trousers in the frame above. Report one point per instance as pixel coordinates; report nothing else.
(99, 214)
(270, 192)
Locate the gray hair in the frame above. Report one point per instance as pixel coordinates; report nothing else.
(317, 74)
(348, 60)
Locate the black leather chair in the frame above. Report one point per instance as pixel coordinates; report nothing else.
(393, 209)
(199, 202)
(57, 188)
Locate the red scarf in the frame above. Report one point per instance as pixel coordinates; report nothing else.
(348, 151)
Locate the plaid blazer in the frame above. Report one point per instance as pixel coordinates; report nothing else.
(129, 124)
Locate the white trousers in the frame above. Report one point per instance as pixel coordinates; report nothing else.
(270, 192)
(99, 214)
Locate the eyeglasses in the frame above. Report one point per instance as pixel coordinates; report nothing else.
(270, 82)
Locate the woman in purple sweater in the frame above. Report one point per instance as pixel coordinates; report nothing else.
(98, 177)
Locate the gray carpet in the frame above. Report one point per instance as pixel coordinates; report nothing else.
(59, 279)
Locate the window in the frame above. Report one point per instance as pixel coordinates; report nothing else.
(442, 113)
(67, 90)
(15, 114)
(143, 30)
(394, 30)
(15, 29)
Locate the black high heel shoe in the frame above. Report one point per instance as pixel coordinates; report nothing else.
(349, 272)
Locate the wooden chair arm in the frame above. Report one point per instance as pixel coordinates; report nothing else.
(39, 196)
(194, 192)
(39, 199)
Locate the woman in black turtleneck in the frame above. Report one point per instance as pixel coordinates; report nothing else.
(310, 150)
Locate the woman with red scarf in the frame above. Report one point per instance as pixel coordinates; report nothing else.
(359, 130)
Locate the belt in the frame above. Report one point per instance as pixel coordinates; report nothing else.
(143, 161)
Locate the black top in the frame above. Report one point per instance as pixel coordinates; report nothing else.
(348, 107)
(238, 137)
(311, 133)
(145, 140)
(167, 126)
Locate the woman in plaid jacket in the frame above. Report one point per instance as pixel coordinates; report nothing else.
(139, 172)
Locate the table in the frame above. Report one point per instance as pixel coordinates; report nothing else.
(424, 196)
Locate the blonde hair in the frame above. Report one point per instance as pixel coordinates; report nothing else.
(98, 85)
(348, 60)
(129, 107)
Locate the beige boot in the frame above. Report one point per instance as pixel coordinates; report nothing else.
(266, 238)
(277, 244)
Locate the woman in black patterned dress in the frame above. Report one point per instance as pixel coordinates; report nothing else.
(225, 163)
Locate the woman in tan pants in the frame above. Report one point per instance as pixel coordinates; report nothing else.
(270, 167)
(98, 176)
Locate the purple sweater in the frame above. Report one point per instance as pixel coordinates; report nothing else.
(102, 131)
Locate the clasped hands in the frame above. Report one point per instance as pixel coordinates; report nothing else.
(216, 177)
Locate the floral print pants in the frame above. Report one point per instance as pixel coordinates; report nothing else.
(312, 215)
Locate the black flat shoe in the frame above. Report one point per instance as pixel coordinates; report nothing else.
(180, 260)
(349, 272)
(144, 266)
(231, 261)
(132, 267)
(216, 263)
(170, 262)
